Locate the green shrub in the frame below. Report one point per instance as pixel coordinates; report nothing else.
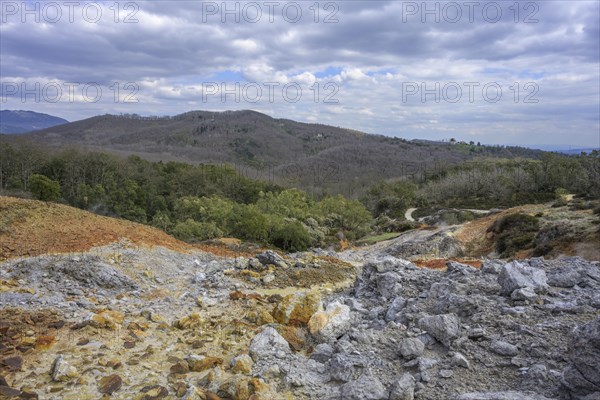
(192, 231)
(340, 214)
(291, 203)
(14, 182)
(384, 224)
(515, 232)
(291, 236)
(247, 222)
(162, 221)
(206, 209)
(44, 188)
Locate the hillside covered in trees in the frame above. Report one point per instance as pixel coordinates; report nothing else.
(205, 201)
(314, 157)
(193, 202)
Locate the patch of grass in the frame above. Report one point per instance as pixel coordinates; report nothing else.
(379, 238)
(8, 217)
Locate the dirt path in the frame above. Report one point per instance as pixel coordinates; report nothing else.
(408, 214)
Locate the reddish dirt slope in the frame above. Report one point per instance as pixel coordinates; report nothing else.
(29, 228)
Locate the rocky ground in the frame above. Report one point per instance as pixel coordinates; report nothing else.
(128, 320)
(150, 323)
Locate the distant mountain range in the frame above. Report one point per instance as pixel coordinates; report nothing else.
(305, 155)
(18, 121)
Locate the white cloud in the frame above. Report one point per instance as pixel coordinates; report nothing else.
(369, 54)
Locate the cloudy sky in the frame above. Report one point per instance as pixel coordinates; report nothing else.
(500, 72)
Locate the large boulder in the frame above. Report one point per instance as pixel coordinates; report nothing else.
(404, 388)
(582, 376)
(503, 348)
(395, 307)
(297, 309)
(515, 276)
(388, 284)
(341, 367)
(381, 277)
(445, 328)
(410, 348)
(268, 343)
(457, 268)
(331, 323)
(269, 257)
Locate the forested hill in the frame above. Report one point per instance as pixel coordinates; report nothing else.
(304, 155)
(18, 121)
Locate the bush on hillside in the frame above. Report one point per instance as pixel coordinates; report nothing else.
(192, 231)
(44, 188)
(515, 232)
(291, 236)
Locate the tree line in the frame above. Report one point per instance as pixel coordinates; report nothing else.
(490, 183)
(192, 202)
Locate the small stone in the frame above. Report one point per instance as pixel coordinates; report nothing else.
(446, 373)
(202, 363)
(331, 323)
(181, 367)
(108, 319)
(459, 360)
(237, 295)
(268, 343)
(367, 387)
(7, 392)
(504, 348)
(444, 328)
(255, 264)
(404, 388)
(269, 257)
(236, 388)
(13, 363)
(154, 392)
(28, 341)
(476, 333)
(411, 348)
(44, 342)
(341, 367)
(524, 294)
(62, 370)
(426, 363)
(322, 353)
(192, 321)
(110, 384)
(241, 364)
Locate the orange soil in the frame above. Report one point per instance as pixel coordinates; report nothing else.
(223, 250)
(440, 263)
(29, 228)
(474, 235)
